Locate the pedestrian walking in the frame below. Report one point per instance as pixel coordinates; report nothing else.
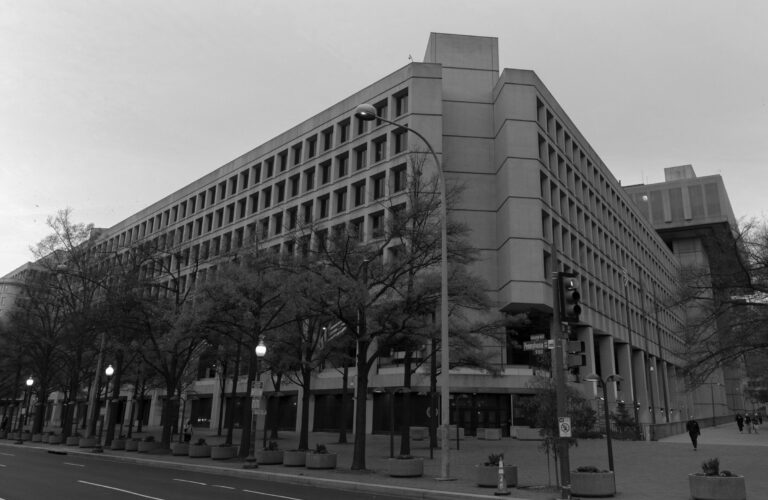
(740, 421)
(4, 424)
(692, 426)
(188, 431)
(748, 421)
(755, 423)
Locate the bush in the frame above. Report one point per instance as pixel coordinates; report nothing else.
(272, 446)
(494, 458)
(200, 442)
(321, 449)
(588, 468)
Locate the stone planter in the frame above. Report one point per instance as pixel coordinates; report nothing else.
(117, 444)
(3, 434)
(488, 433)
(717, 487)
(269, 457)
(199, 451)
(180, 449)
(418, 433)
(223, 452)
(593, 484)
(405, 467)
(13, 436)
(37, 438)
(131, 445)
(488, 475)
(147, 446)
(91, 442)
(294, 458)
(54, 439)
(72, 441)
(321, 460)
(527, 433)
(44, 438)
(26, 436)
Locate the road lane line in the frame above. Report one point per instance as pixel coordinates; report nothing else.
(118, 489)
(188, 481)
(271, 495)
(2, 465)
(222, 486)
(73, 464)
(7, 455)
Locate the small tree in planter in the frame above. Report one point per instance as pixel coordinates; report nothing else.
(713, 484)
(270, 455)
(199, 449)
(147, 444)
(488, 472)
(406, 466)
(589, 481)
(319, 458)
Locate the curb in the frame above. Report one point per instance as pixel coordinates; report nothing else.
(340, 484)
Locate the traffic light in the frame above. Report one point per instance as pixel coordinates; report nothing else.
(576, 352)
(570, 298)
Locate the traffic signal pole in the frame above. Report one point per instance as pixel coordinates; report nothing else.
(559, 373)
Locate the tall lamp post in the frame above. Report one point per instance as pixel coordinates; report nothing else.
(603, 385)
(108, 371)
(251, 461)
(367, 112)
(23, 419)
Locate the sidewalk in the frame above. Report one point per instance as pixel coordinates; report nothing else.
(644, 470)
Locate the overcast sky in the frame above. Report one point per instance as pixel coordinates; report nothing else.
(108, 106)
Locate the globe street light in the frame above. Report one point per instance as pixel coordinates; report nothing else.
(610, 378)
(25, 404)
(256, 392)
(108, 371)
(367, 112)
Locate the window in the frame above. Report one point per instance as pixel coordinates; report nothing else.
(222, 190)
(361, 126)
(324, 202)
(280, 190)
(232, 185)
(212, 195)
(378, 186)
(343, 131)
(359, 193)
(264, 228)
(293, 217)
(361, 157)
(306, 212)
(342, 165)
(377, 224)
(399, 178)
(297, 154)
(325, 172)
(241, 207)
(309, 179)
(401, 103)
(253, 200)
(380, 149)
(341, 200)
(201, 197)
(312, 146)
(270, 163)
(266, 195)
(381, 110)
(401, 140)
(327, 139)
(321, 237)
(283, 160)
(230, 213)
(294, 184)
(256, 170)
(277, 222)
(219, 218)
(356, 228)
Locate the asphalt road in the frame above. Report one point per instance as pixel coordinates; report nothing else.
(27, 474)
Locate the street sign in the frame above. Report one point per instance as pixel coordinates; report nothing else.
(255, 403)
(539, 345)
(258, 389)
(564, 425)
(538, 336)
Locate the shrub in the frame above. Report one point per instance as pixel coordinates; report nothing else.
(149, 439)
(272, 446)
(711, 467)
(200, 442)
(588, 468)
(320, 448)
(494, 458)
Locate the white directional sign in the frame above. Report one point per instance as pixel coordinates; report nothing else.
(564, 425)
(258, 389)
(539, 345)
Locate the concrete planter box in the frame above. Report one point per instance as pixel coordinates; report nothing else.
(54, 439)
(269, 457)
(321, 460)
(180, 449)
(72, 441)
(37, 438)
(294, 458)
(91, 442)
(527, 433)
(593, 484)
(117, 444)
(199, 451)
(419, 433)
(146, 446)
(131, 445)
(26, 436)
(45, 438)
(13, 436)
(223, 452)
(3, 434)
(406, 467)
(488, 433)
(488, 475)
(717, 487)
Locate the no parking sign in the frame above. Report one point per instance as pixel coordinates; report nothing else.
(564, 424)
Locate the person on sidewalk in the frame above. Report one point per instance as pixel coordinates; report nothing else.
(755, 423)
(692, 426)
(740, 421)
(748, 421)
(188, 432)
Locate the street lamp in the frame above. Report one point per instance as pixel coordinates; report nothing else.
(261, 351)
(23, 420)
(108, 371)
(610, 378)
(367, 112)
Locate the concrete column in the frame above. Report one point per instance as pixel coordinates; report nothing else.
(607, 363)
(641, 388)
(622, 352)
(653, 372)
(665, 388)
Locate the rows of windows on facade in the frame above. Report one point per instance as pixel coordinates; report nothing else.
(352, 150)
(594, 229)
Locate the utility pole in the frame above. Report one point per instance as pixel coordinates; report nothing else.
(559, 369)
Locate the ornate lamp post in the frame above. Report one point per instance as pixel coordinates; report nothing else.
(108, 371)
(251, 461)
(23, 419)
(603, 383)
(367, 112)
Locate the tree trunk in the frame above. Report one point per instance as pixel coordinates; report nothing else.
(275, 418)
(306, 375)
(222, 396)
(169, 413)
(344, 402)
(405, 436)
(358, 457)
(233, 395)
(247, 415)
(433, 396)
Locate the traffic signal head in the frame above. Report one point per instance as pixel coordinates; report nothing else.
(570, 298)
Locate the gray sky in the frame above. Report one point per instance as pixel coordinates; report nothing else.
(107, 106)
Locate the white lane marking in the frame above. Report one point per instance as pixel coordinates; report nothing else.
(2, 465)
(118, 489)
(188, 481)
(222, 486)
(7, 455)
(73, 465)
(271, 495)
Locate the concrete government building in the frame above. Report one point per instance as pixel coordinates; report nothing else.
(538, 199)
